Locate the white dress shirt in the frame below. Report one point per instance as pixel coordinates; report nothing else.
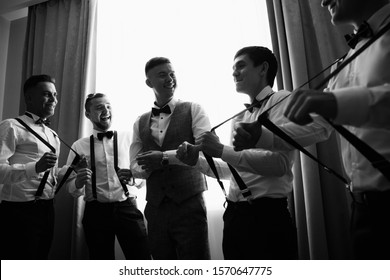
(108, 186)
(266, 173)
(159, 126)
(19, 152)
(362, 91)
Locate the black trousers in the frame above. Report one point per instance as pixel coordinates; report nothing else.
(178, 231)
(103, 221)
(259, 231)
(370, 225)
(26, 229)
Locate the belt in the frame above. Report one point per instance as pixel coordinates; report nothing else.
(371, 198)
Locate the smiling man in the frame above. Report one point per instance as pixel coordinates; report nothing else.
(105, 183)
(175, 210)
(28, 170)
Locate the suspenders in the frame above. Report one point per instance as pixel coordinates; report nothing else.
(42, 184)
(93, 166)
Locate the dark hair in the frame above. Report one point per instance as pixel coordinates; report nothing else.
(155, 61)
(91, 97)
(259, 55)
(36, 79)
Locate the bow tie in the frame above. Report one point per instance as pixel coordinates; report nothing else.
(255, 103)
(165, 109)
(107, 134)
(364, 31)
(42, 121)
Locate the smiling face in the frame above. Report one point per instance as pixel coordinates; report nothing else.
(248, 78)
(99, 113)
(162, 80)
(41, 99)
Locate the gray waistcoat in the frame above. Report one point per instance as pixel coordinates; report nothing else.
(176, 182)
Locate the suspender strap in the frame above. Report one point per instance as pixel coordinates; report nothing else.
(376, 159)
(125, 190)
(263, 120)
(42, 184)
(67, 174)
(214, 169)
(246, 193)
(37, 135)
(93, 166)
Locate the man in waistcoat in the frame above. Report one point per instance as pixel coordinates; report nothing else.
(175, 209)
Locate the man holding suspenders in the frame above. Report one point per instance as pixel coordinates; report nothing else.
(28, 170)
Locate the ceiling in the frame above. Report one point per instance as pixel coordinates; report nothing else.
(14, 9)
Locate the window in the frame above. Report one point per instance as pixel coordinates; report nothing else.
(200, 37)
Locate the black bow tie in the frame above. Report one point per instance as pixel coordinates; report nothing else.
(364, 31)
(107, 134)
(42, 121)
(165, 109)
(254, 104)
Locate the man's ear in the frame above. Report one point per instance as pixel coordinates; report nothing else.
(149, 84)
(87, 114)
(265, 67)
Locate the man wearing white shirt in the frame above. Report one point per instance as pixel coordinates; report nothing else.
(111, 208)
(26, 209)
(259, 226)
(175, 210)
(359, 98)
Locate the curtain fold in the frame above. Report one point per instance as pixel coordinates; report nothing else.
(305, 42)
(57, 44)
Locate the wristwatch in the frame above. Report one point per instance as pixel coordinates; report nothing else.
(165, 159)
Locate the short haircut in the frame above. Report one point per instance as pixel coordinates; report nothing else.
(36, 79)
(258, 55)
(155, 61)
(91, 97)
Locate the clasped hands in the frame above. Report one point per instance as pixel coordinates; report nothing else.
(207, 142)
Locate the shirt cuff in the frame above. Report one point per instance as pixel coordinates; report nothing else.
(266, 139)
(349, 101)
(172, 157)
(230, 155)
(30, 170)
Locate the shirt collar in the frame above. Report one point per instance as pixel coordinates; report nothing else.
(172, 104)
(267, 90)
(34, 117)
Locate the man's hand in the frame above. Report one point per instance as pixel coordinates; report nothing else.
(125, 176)
(209, 143)
(84, 176)
(246, 135)
(304, 102)
(150, 160)
(188, 153)
(48, 160)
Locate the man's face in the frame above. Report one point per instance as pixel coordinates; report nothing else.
(246, 76)
(343, 11)
(100, 113)
(41, 100)
(163, 80)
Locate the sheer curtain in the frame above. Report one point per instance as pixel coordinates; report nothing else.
(57, 43)
(306, 42)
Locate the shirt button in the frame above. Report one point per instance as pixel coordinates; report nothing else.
(161, 131)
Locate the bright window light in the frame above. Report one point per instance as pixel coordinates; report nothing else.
(200, 37)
